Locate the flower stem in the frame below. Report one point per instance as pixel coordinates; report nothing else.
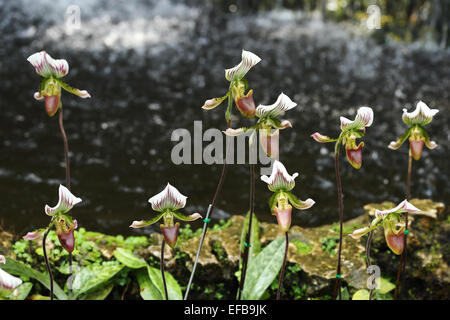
(402, 264)
(247, 236)
(337, 286)
(280, 281)
(368, 244)
(66, 147)
(47, 264)
(163, 244)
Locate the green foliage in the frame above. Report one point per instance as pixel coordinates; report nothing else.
(329, 244)
(381, 293)
(263, 270)
(302, 247)
(18, 268)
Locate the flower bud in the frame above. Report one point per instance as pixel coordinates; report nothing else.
(170, 234)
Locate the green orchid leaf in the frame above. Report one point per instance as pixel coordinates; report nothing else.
(101, 293)
(173, 288)
(20, 269)
(263, 270)
(255, 243)
(385, 286)
(22, 291)
(94, 276)
(148, 290)
(127, 258)
(361, 294)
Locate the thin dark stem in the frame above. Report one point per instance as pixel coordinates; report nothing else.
(368, 245)
(163, 244)
(402, 264)
(66, 147)
(208, 213)
(280, 281)
(247, 236)
(337, 286)
(49, 270)
(70, 272)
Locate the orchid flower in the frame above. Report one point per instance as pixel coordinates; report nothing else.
(64, 223)
(238, 86)
(416, 121)
(50, 90)
(167, 203)
(7, 281)
(393, 224)
(350, 131)
(268, 120)
(281, 183)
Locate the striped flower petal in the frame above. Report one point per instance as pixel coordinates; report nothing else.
(404, 206)
(168, 199)
(46, 66)
(7, 281)
(279, 180)
(66, 202)
(364, 118)
(283, 103)
(249, 60)
(421, 116)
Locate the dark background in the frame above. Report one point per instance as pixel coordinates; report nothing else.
(149, 66)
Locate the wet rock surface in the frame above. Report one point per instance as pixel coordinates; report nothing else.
(313, 250)
(428, 251)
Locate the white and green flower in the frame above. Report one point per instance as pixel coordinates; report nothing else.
(393, 225)
(50, 90)
(238, 86)
(7, 281)
(281, 183)
(418, 137)
(167, 203)
(267, 122)
(350, 131)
